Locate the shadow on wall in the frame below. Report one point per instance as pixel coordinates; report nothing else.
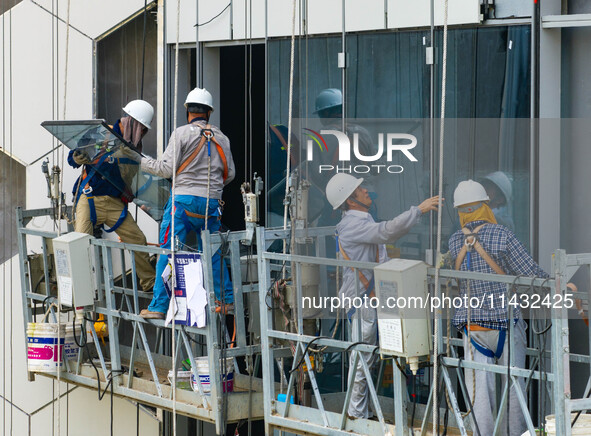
(12, 194)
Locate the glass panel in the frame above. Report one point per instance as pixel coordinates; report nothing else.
(96, 139)
(487, 116)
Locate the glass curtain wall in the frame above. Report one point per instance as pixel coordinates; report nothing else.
(388, 89)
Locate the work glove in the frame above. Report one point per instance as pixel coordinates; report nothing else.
(128, 153)
(80, 157)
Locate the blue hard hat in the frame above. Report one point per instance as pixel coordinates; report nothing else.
(328, 98)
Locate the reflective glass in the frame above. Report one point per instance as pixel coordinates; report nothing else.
(96, 139)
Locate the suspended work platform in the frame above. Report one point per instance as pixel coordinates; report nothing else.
(135, 359)
(290, 365)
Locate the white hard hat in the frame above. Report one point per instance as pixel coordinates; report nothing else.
(502, 181)
(328, 98)
(340, 187)
(200, 96)
(141, 111)
(468, 192)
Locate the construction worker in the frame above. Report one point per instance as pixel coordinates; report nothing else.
(499, 189)
(485, 246)
(362, 239)
(204, 167)
(329, 109)
(101, 194)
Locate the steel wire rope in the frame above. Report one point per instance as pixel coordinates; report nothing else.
(245, 96)
(289, 115)
(58, 221)
(172, 213)
(4, 190)
(11, 349)
(439, 219)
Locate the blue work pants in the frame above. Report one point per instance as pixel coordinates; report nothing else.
(183, 224)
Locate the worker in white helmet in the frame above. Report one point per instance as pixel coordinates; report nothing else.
(362, 239)
(484, 246)
(328, 106)
(101, 193)
(499, 189)
(204, 165)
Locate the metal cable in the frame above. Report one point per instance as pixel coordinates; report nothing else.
(289, 115)
(4, 160)
(172, 239)
(439, 219)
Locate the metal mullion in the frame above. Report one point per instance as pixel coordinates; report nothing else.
(45, 266)
(374, 397)
(523, 404)
(149, 357)
(454, 401)
(194, 370)
(238, 294)
(132, 357)
(213, 340)
(113, 327)
(266, 317)
(352, 370)
(99, 351)
(502, 406)
(319, 402)
(292, 377)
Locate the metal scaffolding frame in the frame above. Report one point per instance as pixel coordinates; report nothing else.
(121, 304)
(316, 419)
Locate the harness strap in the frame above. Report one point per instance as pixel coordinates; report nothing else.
(484, 350)
(368, 284)
(200, 145)
(93, 218)
(473, 242)
(119, 221)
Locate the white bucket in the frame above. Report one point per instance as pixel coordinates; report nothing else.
(202, 365)
(44, 354)
(582, 426)
(183, 379)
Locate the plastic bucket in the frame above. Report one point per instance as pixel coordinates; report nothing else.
(43, 351)
(183, 379)
(202, 365)
(582, 426)
(70, 346)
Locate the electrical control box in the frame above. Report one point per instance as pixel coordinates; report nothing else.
(74, 261)
(404, 314)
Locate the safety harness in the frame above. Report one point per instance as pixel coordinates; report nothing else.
(206, 135)
(369, 285)
(86, 189)
(471, 243)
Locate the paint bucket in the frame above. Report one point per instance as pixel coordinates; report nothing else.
(183, 379)
(581, 427)
(70, 346)
(202, 365)
(44, 354)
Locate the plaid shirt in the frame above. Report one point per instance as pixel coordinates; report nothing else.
(510, 254)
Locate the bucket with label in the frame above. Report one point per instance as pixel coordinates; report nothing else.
(43, 351)
(71, 348)
(202, 365)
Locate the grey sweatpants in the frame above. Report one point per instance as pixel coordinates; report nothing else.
(483, 392)
(367, 319)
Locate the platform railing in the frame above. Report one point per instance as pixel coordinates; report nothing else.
(317, 419)
(120, 301)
